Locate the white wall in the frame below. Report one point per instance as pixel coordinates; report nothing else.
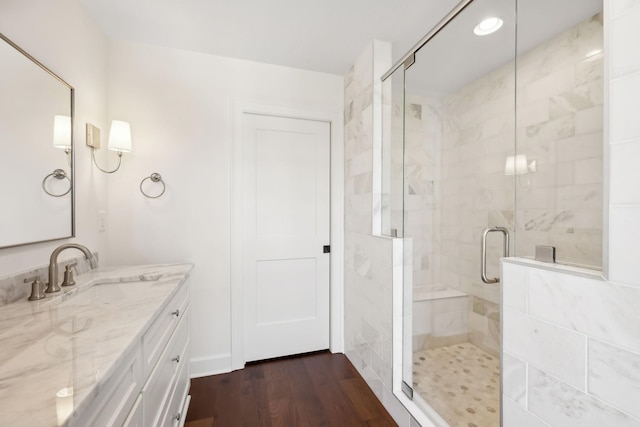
(179, 104)
(63, 37)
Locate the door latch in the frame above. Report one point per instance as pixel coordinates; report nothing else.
(326, 249)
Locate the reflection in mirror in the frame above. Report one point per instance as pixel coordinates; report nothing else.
(36, 117)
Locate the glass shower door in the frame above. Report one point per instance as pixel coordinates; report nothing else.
(459, 134)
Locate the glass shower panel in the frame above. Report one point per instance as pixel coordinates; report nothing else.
(558, 163)
(392, 171)
(459, 130)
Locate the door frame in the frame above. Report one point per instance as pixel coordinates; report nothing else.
(336, 273)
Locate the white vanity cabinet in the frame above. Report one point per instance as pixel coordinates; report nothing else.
(158, 392)
(151, 387)
(113, 350)
(166, 358)
(119, 394)
(135, 418)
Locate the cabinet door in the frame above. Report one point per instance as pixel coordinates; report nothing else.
(118, 395)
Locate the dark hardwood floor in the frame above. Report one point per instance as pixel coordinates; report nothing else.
(316, 389)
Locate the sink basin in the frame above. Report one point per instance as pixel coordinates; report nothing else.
(109, 293)
(101, 292)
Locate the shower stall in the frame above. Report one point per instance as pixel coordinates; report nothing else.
(492, 145)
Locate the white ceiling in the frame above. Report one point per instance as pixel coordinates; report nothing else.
(327, 35)
(456, 56)
(318, 35)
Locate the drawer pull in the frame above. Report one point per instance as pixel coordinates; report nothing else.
(177, 416)
(176, 359)
(176, 313)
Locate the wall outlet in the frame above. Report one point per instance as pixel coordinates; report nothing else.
(102, 221)
(93, 136)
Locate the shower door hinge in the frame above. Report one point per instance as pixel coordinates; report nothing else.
(407, 390)
(326, 249)
(410, 61)
(545, 253)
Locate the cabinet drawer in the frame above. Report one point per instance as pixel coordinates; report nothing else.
(156, 338)
(158, 388)
(115, 399)
(134, 419)
(176, 412)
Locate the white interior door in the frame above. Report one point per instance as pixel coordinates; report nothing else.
(285, 187)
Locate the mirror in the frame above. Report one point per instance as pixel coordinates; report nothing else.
(36, 112)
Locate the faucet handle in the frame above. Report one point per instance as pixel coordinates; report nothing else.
(37, 291)
(68, 275)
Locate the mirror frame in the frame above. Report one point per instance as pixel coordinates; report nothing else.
(71, 153)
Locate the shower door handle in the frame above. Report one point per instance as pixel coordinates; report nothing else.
(483, 254)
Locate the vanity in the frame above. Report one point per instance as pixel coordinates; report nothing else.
(113, 350)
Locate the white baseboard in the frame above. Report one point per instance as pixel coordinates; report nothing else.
(210, 365)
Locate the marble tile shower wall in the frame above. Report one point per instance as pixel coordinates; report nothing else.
(368, 259)
(455, 186)
(423, 140)
(559, 125)
(582, 367)
(571, 349)
(461, 184)
(392, 167)
(13, 287)
(478, 130)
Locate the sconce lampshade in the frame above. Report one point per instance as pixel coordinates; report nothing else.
(120, 136)
(62, 132)
(516, 165)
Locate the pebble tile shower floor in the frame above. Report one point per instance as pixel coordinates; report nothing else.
(461, 382)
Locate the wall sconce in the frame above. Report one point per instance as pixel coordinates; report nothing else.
(62, 134)
(61, 140)
(64, 404)
(119, 141)
(518, 165)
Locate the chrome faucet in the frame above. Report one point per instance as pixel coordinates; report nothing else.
(52, 286)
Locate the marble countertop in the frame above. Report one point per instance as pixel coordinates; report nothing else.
(76, 338)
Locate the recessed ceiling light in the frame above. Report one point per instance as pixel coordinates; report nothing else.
(488, 26)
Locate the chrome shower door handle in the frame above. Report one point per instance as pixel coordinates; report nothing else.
(483, 253)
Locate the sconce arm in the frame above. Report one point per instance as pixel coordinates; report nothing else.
(93, 157)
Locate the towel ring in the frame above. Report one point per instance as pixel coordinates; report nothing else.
(154, 177)
(57, 174)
